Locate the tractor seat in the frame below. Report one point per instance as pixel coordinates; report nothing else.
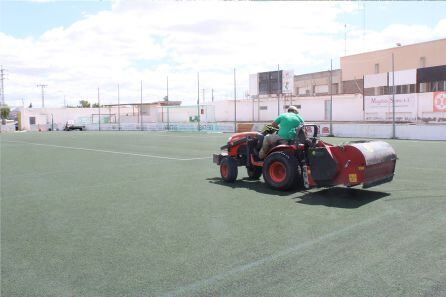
(302, 138)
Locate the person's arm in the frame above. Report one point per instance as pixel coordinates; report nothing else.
(276, 122)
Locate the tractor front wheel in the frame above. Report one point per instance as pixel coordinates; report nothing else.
(280, 170)
(228, 169)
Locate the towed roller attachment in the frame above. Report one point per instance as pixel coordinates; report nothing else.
(379, 159)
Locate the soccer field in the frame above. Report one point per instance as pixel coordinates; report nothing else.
(146, 214)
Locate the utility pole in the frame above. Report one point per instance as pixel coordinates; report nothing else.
(212, 94)
(235, 103)
(42, 86)
(167, 99)
(393, 97)
(331, 98)
(119, 112)
(278, 92)
(198, 99)
(140, 109)
(99, 111)
(2, 77)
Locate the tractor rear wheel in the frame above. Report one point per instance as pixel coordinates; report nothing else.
(254, 172)
(280, 171)
(228, 169)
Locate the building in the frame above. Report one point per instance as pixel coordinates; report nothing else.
(413, 56)
(317, 83)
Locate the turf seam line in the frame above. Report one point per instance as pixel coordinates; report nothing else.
(110, 152)
(242, 268)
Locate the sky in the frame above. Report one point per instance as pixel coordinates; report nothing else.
(76, 47)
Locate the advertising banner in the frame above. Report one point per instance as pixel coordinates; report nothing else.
(439, 101)
(253, 84)
(381, 107)
(403, 77)
(287, 81)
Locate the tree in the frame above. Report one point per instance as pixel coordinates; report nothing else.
(4, 113)
(96, 105)
(84, 104)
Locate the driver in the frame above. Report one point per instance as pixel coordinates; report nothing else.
(287, 124)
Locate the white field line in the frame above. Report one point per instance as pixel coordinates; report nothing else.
(109, 152)
(242, 268)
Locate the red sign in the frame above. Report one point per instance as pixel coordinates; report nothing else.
(325, 130)
(440, 102)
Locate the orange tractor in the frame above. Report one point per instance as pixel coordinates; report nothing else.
(307, 161)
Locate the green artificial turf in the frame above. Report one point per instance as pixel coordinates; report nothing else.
(100, 214)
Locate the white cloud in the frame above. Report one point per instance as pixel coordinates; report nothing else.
(140, 40)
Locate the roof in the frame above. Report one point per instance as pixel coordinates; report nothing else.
(396, 47)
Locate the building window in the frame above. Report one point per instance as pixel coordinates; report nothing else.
(335, 88)
(376, 68)
(391, 89)
(412, 88)
(321, 89)
(263, 108)
(32, 120)
(434, 86)
(422, 62)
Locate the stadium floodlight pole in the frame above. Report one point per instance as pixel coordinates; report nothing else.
(198, 100)
(99, 111)
(42, 86)
(393, 97)
(278, 98)
(119, 112)
(167, 99)
(140, 109)
(345, 39)
(235, 103)
(331, 98)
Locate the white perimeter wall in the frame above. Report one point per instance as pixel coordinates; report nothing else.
(345, 108)
(60, 116)
(406, 131)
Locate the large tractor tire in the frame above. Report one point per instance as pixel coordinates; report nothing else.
(254, 172)
(280, 171)
(228, 169)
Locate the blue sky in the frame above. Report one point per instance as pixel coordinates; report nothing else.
(24, 18)
(27, 18)
(77, 46)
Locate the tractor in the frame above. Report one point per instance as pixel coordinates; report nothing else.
(307, 161)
